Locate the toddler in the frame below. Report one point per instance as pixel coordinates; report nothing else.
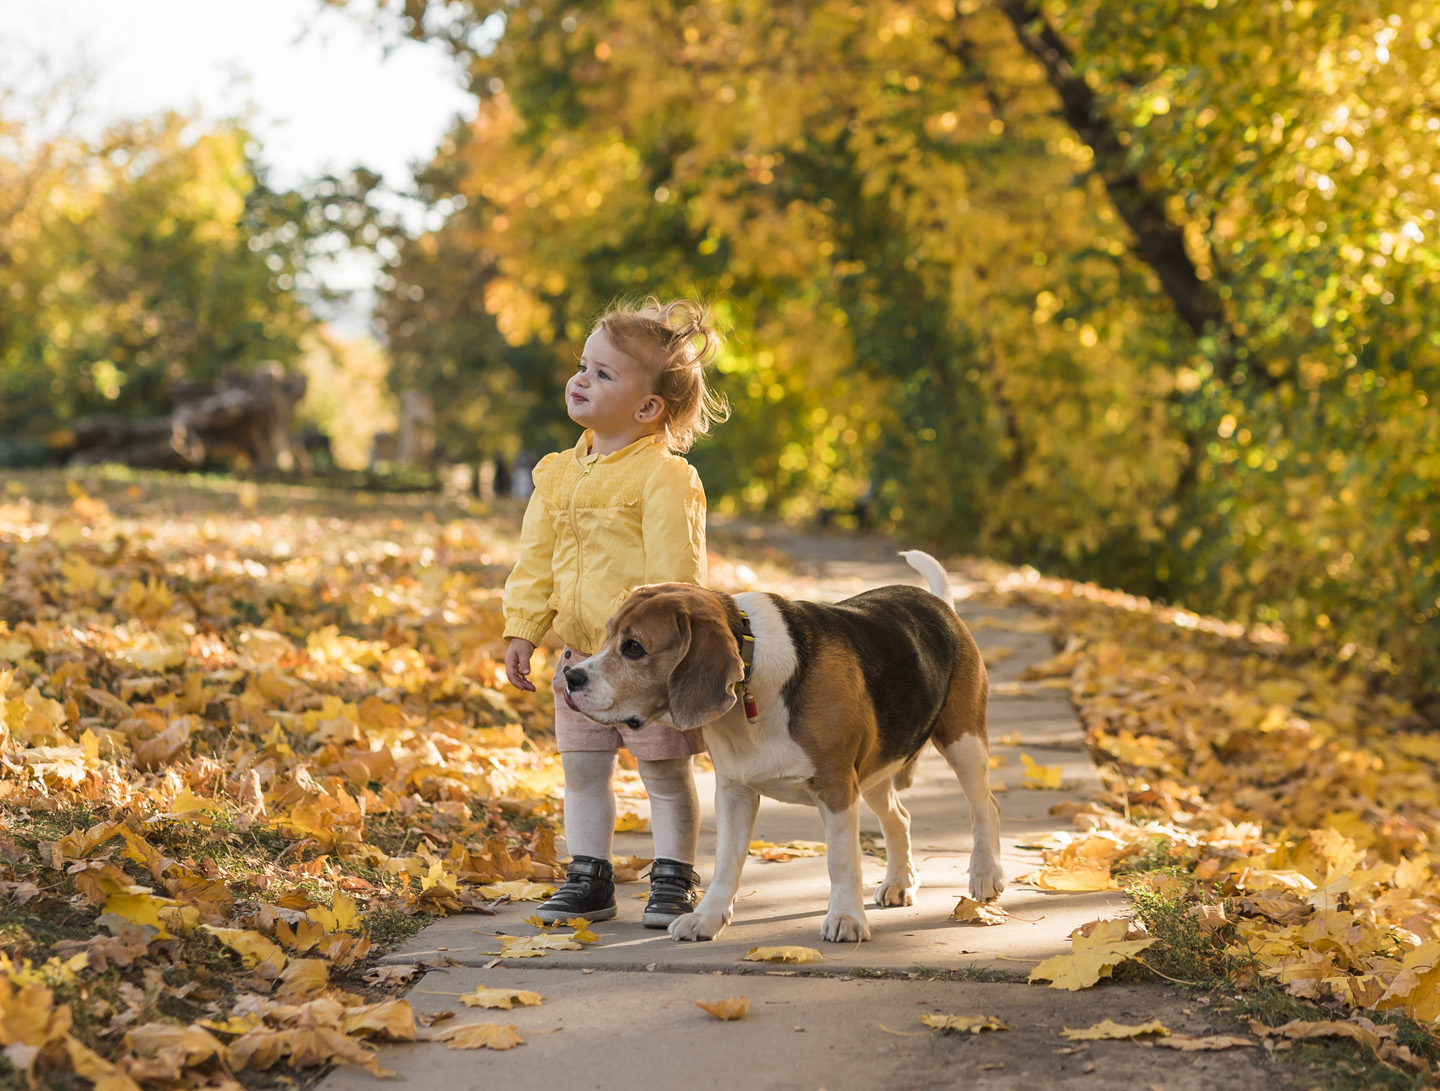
(619, 510)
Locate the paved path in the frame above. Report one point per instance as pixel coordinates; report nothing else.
(625, 1004)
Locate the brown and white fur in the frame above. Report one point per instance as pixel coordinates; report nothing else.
(847, 694)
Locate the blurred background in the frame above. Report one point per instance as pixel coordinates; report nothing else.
(1142, 293)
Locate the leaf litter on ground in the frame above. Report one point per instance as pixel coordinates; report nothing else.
(1285, 798)
(233, 744)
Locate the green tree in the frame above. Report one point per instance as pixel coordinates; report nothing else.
(155, 254)
(1144, 294)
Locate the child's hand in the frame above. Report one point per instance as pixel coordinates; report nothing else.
(517, 664)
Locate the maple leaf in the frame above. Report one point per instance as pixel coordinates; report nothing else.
(192, 1044)
(1040, 776)
(391, 974)
(253, 948)
(498, 998)
(518, 890)
(1210, 917)
(343, 916)
(1108, 1028)
(727, 1010)
(89, 1065)
(628, 869)
(1080, 877)
(535, 946)
(1211, 1042)
(782, 954)
(304, 977)
(969, 911)
(30, 1021)
(581, 930)
(124, 909)
(393, 1019)
(963, 1024)
(1111, 926)
(1359, 1030)
(1091, 958)
(630, 822)
(480, 1036)
(789, 850)
(233, 1024)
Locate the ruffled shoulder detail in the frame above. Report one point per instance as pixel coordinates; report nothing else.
(543, 470)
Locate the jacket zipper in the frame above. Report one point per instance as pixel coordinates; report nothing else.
(579, 547)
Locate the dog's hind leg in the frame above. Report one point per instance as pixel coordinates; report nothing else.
(901, 881)
(970, 759)
(960, 737)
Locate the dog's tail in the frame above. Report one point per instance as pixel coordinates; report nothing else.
(934, 573)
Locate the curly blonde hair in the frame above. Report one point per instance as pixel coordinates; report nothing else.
(676, 341)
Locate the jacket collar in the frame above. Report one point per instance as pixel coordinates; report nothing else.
(583, 455)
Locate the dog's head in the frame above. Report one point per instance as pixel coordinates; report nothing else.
(669, 657)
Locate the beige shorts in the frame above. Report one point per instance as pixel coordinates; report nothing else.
(576, 731)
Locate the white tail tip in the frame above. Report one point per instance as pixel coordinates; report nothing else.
(932, 570)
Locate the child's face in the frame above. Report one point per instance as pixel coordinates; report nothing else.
(611, 392)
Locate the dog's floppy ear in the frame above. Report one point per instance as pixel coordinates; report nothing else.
(710, 664)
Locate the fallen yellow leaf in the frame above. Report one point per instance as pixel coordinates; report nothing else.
(535, 946)
(304, 977)
(253, 948)
(1081, 877)
(194, 1043)
(963, 1024)
(1108, 1028)
(732, 1007)
(499, 998)
(1040, 776)
(970, 911)
(480, 1036)
(1212, 1042)
(782, 954)
(394, 1019)
(1359, 1029)
(1091, 958)
(343, 916)
(788, 850)
(518, 890)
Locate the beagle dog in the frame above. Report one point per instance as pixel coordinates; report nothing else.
(832, 706)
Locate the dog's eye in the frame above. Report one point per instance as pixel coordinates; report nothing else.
(631, 649)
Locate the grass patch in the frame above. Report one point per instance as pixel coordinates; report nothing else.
(1192, 956)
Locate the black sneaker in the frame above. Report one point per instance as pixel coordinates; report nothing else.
(589, 892)
(674, 891)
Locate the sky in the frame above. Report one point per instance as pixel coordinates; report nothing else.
(319, 90)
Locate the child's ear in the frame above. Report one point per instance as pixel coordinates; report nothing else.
(651, 409)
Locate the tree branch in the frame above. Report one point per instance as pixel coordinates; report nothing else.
(1159, 243)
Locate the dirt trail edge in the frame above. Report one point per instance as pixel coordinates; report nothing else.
(620, 1014)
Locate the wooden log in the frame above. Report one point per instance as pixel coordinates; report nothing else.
(245, 414)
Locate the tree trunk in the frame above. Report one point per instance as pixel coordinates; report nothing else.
(1159, 243)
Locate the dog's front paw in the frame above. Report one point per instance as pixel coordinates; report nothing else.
(696, 926)
(987, 881)
(893, 892)
(840, 927)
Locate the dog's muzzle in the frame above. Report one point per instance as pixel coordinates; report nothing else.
(575, 678)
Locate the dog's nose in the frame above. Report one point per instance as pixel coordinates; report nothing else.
(575, 678)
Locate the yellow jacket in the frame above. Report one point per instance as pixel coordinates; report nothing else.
(597, 527)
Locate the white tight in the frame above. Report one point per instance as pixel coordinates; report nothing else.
(590, 804)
